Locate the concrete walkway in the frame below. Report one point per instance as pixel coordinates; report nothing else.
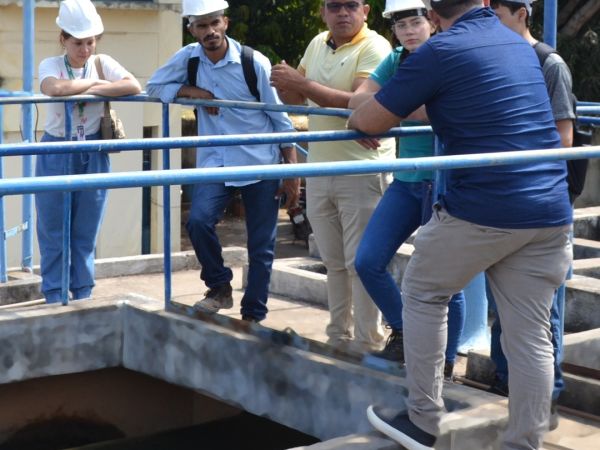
(309, 321)
(187, 288)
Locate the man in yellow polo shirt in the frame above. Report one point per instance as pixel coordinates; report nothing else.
(335, 63)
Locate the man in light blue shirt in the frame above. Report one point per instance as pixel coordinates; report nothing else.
(220, 75)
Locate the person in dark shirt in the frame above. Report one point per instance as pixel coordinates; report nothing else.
(484, 92)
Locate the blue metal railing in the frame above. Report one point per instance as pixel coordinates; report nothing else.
(70, 183)
(28, 148)
(166, 143)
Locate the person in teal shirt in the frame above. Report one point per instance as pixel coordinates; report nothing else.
(407, 203)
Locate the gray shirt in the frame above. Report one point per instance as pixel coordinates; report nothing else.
(560, 87)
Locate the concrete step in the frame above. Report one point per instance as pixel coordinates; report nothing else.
(573, 433)
(580, 393)
(586, 223)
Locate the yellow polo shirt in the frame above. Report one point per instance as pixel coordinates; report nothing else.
(337, 69)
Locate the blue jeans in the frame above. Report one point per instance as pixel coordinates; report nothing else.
(208, 206)
(402, 209)
(87, 209)
(556, 328)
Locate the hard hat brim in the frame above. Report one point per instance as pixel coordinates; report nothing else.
(93, 31)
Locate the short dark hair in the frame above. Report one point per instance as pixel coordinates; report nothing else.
(451, 8)
(513, 7)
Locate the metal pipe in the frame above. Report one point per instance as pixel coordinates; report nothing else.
(28, 130)
(197, 141)
(550, 18)
(588, 109)
(474, 332)
(15, 186)
(166, 210)
(586, 120)
(294, 109)
(3, 257)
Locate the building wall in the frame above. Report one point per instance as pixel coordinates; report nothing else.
(140, 35)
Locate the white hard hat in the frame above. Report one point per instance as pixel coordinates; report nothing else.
(394, 6)
(79, 18)
(526, 3)
(202, 7)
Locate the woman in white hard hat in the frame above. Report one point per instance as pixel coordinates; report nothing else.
(75, 72)
(406, 204)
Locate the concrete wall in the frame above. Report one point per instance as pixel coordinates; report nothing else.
(140, 35)
(244, 365)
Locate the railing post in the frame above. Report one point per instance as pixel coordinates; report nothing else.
(3, 258)
(475, 331)
(550, 19)
(28, 131)
(166, 209)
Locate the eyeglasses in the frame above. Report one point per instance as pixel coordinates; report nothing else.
(336, 7)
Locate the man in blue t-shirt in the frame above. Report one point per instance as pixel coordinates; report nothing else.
(484, 92)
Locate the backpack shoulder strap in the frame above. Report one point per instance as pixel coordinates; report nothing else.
(249, 72)
(247, 67)
(98, 64)
(543, 50)
(192, 70)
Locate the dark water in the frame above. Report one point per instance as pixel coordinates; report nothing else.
(241, 432)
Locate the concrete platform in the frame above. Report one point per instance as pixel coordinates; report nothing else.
(282, 370)
(318, 392)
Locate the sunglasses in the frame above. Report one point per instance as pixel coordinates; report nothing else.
(336, 7)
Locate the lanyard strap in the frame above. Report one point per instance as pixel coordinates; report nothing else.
(80, 105)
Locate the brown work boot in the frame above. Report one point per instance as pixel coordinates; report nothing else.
(215, 299)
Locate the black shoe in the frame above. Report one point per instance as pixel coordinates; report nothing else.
(399, 427)
(394, 348)
(499, 387)
(215, 299)
(553, 424)
(448, 371)
(247, 318)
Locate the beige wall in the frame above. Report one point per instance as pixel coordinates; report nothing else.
(139, 35)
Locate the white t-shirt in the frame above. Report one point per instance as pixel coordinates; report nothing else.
(92, 112)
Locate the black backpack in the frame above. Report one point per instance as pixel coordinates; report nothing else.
(576, 168)
(247, 67)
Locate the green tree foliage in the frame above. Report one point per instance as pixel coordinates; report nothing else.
(281, 29)
(578, 43)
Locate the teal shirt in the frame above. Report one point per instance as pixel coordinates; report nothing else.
(408, 147)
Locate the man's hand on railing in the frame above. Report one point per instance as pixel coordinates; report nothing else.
(291, 188)
(203, 94)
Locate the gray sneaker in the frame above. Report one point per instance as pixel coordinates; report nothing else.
(215, 299)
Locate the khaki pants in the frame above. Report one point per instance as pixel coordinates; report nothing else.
(524, 267)
(339, 209)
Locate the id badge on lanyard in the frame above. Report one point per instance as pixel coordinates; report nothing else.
(80, 105)
(80, 133)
